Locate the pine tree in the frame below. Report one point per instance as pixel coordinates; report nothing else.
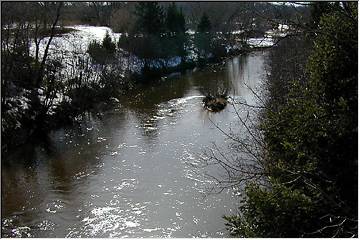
(181, 21)
(203, 39)
(150, 18)
(317, 10)
(175, 21)
(108, 45)
(204, 24)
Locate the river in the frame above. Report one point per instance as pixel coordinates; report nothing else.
(124, 172)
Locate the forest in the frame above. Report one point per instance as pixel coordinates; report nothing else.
(116, 95)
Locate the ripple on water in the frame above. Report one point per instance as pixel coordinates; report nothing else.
(101, 139)
(127, 183)
(46, 225)
(181, 101)
(21, 232)
(113, 221)
(80, 175)
(114, 153)
(152, 229)
(54, 206)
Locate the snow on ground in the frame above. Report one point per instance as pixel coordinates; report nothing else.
(283, 27)
(237, 32)
(174, 61)
(76, 41)
(71, 46)
(260, 42)
(71, 49)
(190, 32)
(73, 43)
(96, 33)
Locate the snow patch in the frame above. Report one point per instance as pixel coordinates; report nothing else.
(260, 42)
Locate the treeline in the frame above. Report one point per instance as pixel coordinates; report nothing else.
(156, 32)
(225, 16)
(309, 159)
(160, 41)
(157, 36)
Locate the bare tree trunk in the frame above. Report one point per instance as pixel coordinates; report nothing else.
(52, 33)
(37, 42)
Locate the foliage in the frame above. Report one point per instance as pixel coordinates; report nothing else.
(37, 94)
(333, 80)
(204, 24)
(202, 42)
(95, 51)
(311, 144)
(102, 53)
(159, 40)
(268, 213)
(203, 39)
(150, 18)
(317, 10)
(23, 73)
(175, 20)
(108, 44)
(218, 47)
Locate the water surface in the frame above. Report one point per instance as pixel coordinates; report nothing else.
(125, 172)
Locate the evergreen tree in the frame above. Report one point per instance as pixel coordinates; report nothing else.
(181, 21)
(317, 10)
(175, 21)
(102, 53)
(150, 18)
(108, 44)
(174, 45)
(203, 39)
(204, 24)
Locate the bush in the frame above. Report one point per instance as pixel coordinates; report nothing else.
(102, 53)
(277, 212)
(218, 48)
(96, 52)
(108, 45)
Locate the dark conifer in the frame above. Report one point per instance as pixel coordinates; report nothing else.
(204, 24)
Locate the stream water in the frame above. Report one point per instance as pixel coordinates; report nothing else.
(124, 172)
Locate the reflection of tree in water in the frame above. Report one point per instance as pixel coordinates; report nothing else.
(244, 72)
(147, 124)
(214, 82)
(152, 101)
(146, 102)
(148, 96)
(235, 73)
(25, 155)
(22, 174)
(49, 166)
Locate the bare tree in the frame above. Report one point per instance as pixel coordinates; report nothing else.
(52, 34)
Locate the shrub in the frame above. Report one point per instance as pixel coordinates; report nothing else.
(102, 53)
